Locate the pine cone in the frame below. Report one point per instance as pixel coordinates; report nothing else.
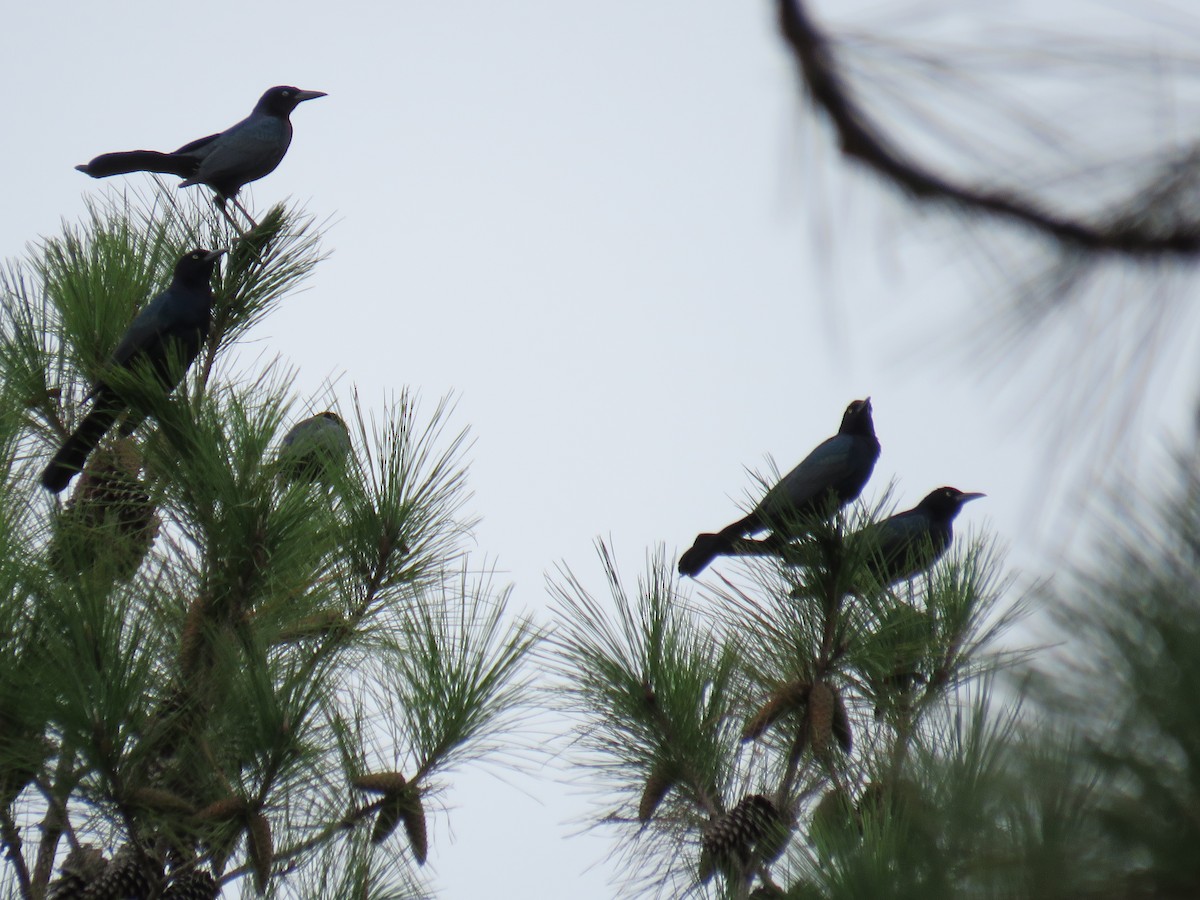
(191, 640)
(379, 782)
(224, 810)
(414, 826)
(110, 517)
(260, 848)
(661, 780)
(731, 839)
(84, 865)
(841, 724)
(782, 701)
(196, 884)
(819, 719)
(403, 804)
(132, 875)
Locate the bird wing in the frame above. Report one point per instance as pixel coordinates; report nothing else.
(246, 152)
(199, 143)
(905, 544)
(830, 462)
(143, 332)
(178, 313)
(900, 533)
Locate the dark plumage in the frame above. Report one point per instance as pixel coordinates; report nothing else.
(166, 336)
(839, 468)
(909, 542)
(314, 449)
(225, 161)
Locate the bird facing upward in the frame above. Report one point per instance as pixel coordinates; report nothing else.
(225, 161)
(838, 467)
(909, 542)
(166, 336)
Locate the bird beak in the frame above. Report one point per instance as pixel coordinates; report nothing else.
(301, 96)
(967, 498)
(214, 254)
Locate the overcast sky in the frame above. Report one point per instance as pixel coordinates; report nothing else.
(614, 233)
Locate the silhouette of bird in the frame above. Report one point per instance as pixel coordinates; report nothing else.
(166, 336)
(226, 161)
(838, 467)
(314, 448)
(909, 542)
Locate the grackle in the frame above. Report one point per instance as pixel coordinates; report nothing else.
(837, 468)
(225, 161)
(909, 542)
(168, 332)
(313, 449)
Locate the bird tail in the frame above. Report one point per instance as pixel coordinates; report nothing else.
(75, 449)
(708, 546)
(140, 161)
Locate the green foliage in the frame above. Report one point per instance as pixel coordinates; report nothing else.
(1129, 681)
(790, 734)
(878, 732)
(208, 678)
(656, 695)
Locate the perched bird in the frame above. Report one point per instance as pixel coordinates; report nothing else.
(225, 161)
(909, 542)
(314, 448)
(838, 467)
(166, 336)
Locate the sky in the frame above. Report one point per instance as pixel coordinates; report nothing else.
(615, 234)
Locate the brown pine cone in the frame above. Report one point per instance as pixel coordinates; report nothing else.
(733, 838)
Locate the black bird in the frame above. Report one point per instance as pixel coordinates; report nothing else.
(225, 161)
(165, 336)
(839, 466)
(314, 448)
(909, 542)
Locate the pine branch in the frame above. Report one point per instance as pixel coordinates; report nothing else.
(861, 138)
(10, 837)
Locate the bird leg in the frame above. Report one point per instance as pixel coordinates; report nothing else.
(245, 212)
(219, 202)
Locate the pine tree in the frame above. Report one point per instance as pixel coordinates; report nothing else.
(208, 669)
(801, 732)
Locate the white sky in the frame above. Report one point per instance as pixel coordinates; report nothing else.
(611, 230)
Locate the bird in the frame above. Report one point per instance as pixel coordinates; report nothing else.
(838, 467)
(226, 161)
(169, 331)
(909, 542)
(313, 449)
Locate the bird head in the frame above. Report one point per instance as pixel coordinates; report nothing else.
(281, 100)
(196, 267)
(857, 418)
(947, 502)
